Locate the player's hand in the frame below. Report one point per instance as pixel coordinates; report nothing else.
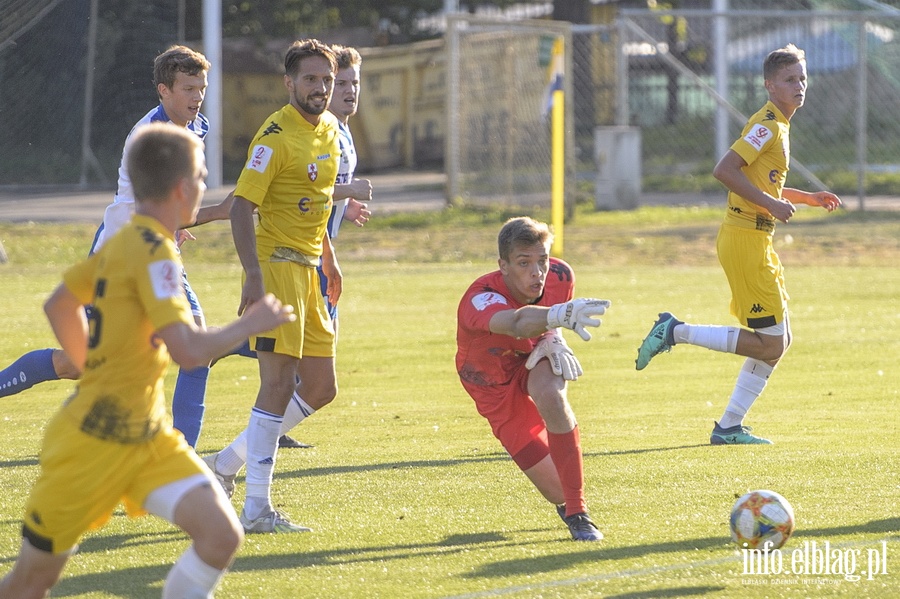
(577, 314)
(357, 212)
(562, 360)
(825, 199)
(182, 235)
(781, 210)
(251, 292)
(268, 313)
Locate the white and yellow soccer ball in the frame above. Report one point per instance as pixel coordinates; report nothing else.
(761, 520)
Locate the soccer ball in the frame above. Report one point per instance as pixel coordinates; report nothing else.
(761, 517)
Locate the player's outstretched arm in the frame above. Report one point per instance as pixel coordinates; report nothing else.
(193, 347)
(531, 321)
(220, 211)
(69, 323)
(821, 199)
(359, 189)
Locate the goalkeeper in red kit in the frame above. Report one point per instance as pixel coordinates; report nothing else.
(507, 323)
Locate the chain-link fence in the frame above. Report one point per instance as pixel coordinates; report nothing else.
(66, 105)
(687, 80)
(498, 123)
(681, 81)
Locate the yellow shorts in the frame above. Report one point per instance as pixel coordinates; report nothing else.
(755, 275)
(84, 478)
(312, 334)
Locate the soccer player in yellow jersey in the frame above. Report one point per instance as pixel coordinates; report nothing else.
(754, 171)
(289, 181)
(112, 441)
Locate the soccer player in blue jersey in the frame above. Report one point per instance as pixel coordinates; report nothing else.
(179, 74)
(754, 171)
(351, 195)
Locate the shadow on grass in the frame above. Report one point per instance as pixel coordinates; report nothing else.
(141, 581)
(562, 561)
(21, 462)
(495, 456)
(331, 470)
(671, 592)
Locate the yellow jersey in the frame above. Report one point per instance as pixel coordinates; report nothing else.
(765, 147)
(290, 174)
(133, 286)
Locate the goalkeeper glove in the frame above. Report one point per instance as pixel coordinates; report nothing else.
(576, 315)
(562, 360)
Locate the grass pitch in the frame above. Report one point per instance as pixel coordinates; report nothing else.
(411, 497)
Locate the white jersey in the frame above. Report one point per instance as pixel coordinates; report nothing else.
(346, 168)
(121, 210)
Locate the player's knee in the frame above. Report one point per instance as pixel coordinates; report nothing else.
(773, 347)
(218, 545)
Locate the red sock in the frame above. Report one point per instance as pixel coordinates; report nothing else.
(565, 450)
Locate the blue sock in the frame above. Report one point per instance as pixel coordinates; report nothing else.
(29, 370)
(188, 402)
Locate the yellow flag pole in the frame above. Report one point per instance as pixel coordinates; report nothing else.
(558, 171)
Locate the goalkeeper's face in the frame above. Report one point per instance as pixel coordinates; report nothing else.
(525, 271)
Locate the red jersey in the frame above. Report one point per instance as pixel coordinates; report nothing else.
(486, 358)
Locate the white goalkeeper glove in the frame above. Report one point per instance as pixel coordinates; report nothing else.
(562, 360)
(576, 315)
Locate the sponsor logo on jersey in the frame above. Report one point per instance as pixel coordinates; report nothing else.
(259, 158)
(483, 300)
(770, 116)
(165, 276)
(303, 204)
(758, 136)
(773, 175)
(312, 169)
(756, 309)
(323, 157)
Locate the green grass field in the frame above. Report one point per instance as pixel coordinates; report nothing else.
(411, 497)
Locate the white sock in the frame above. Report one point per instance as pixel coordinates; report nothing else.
(231, 459)
(750, 384)
(296, 412)
(714, 337)
(191, 578)
(262, 447)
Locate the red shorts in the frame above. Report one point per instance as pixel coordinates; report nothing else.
(514, 418)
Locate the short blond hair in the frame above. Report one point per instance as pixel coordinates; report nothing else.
(160, 155)
(522, 231)
(780, 58)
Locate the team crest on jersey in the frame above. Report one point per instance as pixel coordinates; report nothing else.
(165, 276)
(312, 169)
(758, 136)
(483, 300)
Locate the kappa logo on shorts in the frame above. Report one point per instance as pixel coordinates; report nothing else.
(756, 309)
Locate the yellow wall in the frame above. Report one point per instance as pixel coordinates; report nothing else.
(401, 118)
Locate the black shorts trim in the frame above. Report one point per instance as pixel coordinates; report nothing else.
(761, 323)
(265, 344)
(37, 541)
